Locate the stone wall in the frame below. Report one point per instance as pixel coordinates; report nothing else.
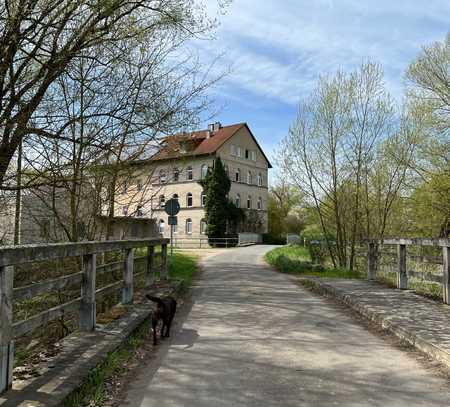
(125, 227)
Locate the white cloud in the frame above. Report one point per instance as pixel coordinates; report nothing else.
(278, 48)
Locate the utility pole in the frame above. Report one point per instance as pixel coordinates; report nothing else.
(18, 212)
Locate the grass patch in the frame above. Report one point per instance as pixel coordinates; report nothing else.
(427, 289)
(296, 260)
(182, 266)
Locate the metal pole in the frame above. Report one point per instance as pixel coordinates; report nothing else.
(171, 240)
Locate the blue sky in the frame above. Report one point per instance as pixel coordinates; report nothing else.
(278, 48)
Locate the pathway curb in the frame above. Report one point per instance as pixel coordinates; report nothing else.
(408, 335)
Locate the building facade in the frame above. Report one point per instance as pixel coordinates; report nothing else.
(182, 161)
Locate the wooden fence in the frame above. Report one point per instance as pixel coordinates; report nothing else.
(85, 304)
(402, 272)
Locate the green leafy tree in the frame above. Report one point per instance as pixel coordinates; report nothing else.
(218, 208)
(428, 86)
(41, 40)
(428, 102)
(285, 209)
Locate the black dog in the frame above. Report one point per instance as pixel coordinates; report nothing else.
(165, 311)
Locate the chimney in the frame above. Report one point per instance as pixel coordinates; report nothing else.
(213, 127)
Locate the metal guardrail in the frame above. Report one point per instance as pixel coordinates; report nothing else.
(402, 273)
(85, 305)
(204, 242)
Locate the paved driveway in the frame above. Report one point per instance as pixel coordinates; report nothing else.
(254, 338)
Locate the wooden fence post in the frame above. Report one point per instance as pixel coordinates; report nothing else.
(87, 306)
(163, 273)
(371, 261)
(402, 277)
(127, 290)
(150, 273)
(446, 274)
(6, 340)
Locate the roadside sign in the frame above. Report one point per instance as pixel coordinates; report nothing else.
(172, 207)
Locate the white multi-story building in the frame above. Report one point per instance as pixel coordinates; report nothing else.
(175, 170)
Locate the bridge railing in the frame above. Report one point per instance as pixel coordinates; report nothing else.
(85, 304)
(205, 242)
(401, 271)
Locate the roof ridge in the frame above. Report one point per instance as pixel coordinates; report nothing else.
(205, 130)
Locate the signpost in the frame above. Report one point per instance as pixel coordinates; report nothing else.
(172, 207)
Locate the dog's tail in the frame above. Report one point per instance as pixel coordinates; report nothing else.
(155, 299)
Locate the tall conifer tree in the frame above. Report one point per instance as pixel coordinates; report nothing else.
(216, 186)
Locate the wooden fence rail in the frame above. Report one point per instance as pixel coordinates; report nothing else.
(85, 304)
(402, 272)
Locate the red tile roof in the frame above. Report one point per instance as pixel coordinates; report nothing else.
(198, 143)
(195, 143)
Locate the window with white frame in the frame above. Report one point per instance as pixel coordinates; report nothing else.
(189, 200)
(253, 155)
(260, 179)
(174, 228)
(125, 210)
(203, 227)
(259, 205)
(238, 200)
(226, 168)
(203, 198)
(139, 212)
(247, 153)
(233, 150)
(249, 177)
(249, 202)
(189, 173)
(176, 175)
(237, 176)
(162, 177)
(162, 201)
(239, 151)
(204, 171)
(189, 226)
(162, 225)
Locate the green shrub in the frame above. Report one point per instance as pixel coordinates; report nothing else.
(317, 244)
(296, 260)
(269, 238)
(317, 251)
